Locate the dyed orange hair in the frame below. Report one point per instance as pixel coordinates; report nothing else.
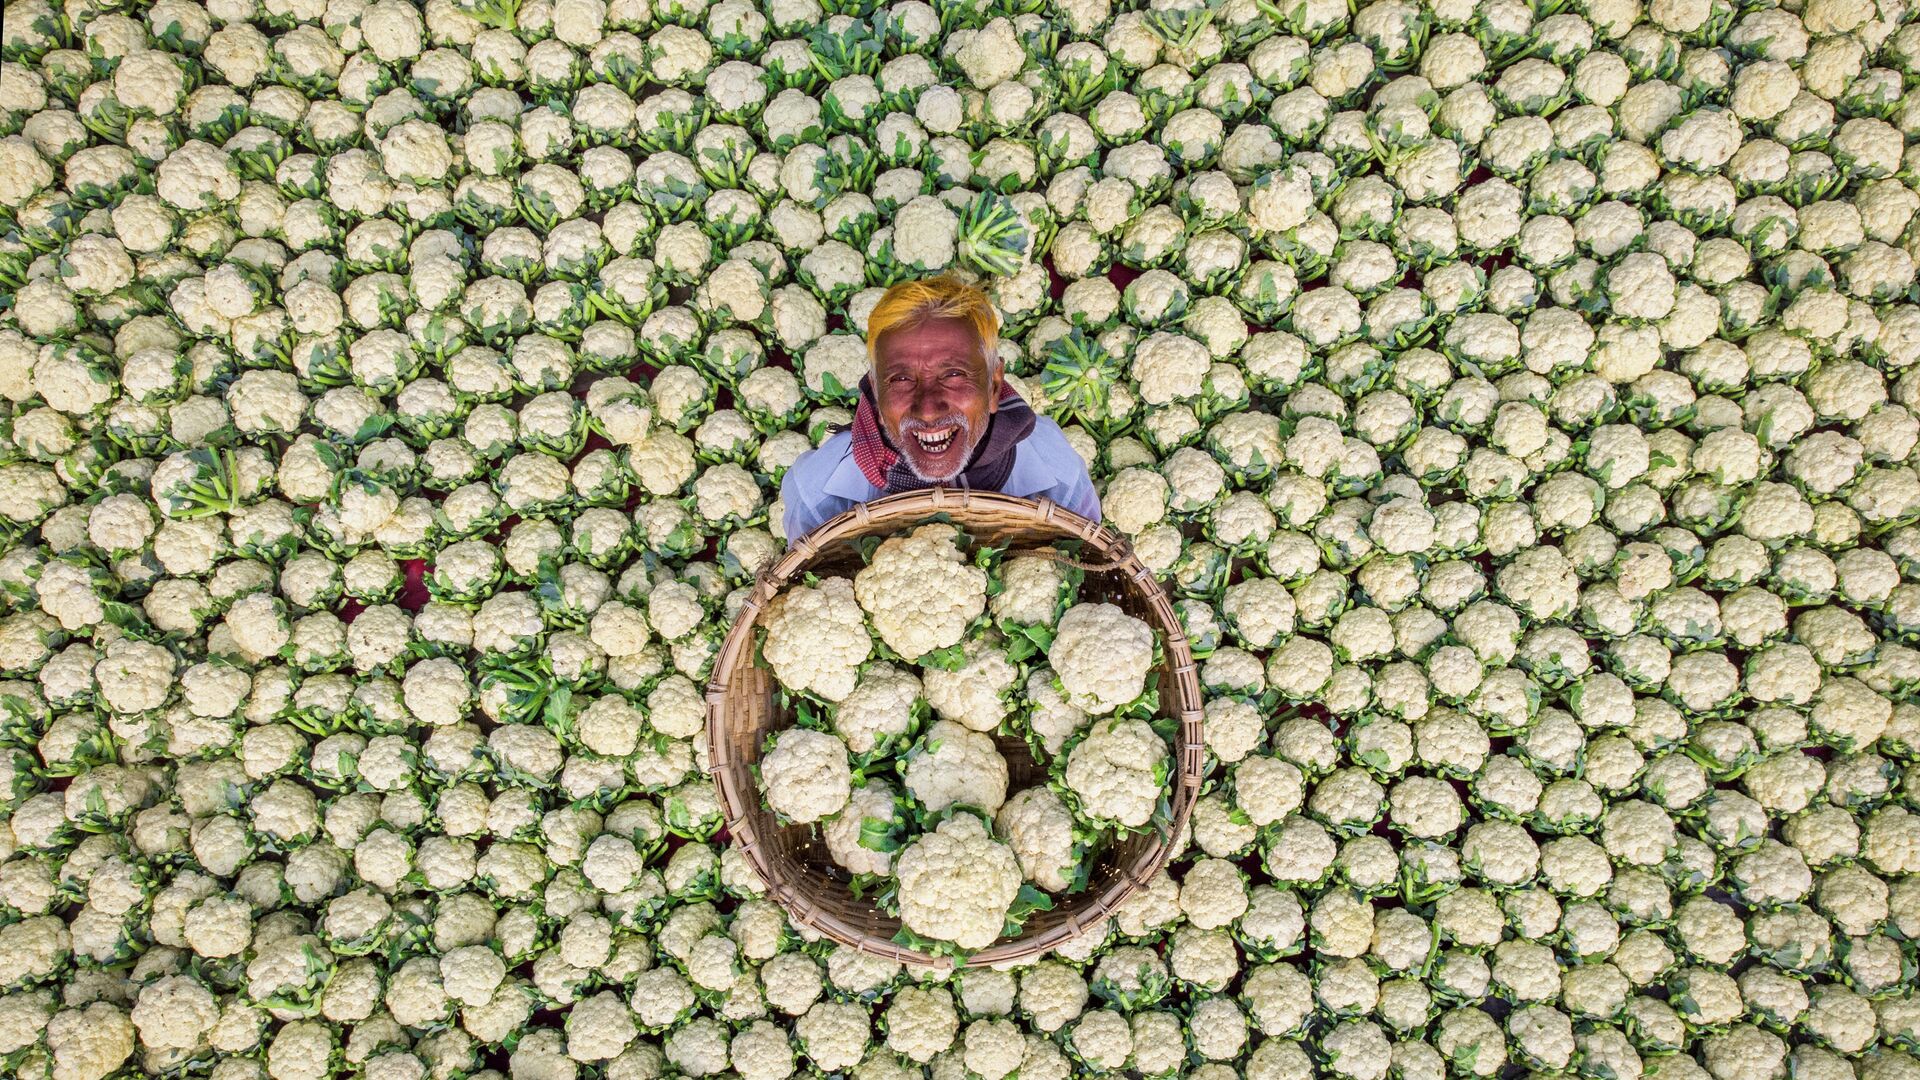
(911, 303)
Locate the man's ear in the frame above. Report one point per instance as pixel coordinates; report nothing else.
(996, 384)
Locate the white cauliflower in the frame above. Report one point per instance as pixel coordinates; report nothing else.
(856, 836)
(921, 592)
(805, 776)
(975, 693)
(957, 883)
(1039, 827)
(1102, 656)
(955, 765)
(817, 638)
(1118, 771)
(881, 709)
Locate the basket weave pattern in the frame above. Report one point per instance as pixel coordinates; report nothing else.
(743, 706)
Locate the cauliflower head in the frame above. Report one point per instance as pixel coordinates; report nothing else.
(1102, 656)
(817, 638)
(805, 776)
(1118, 771)
(957, 883)
(921, 592)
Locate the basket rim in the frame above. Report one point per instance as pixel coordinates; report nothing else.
(892, 514)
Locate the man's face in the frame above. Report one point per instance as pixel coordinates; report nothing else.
(936, 395)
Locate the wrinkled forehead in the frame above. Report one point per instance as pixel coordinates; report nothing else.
(930, 341)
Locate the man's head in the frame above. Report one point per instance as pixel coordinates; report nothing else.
(936, 372)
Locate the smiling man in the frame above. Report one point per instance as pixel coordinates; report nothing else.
(935, 409)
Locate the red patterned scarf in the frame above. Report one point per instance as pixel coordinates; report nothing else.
(885, 467)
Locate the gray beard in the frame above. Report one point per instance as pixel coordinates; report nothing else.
(906, 462)
(905, 439)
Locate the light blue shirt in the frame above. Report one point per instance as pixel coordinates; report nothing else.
(826, 481)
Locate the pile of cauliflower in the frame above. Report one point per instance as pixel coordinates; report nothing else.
(912, 679)
(1520, 398)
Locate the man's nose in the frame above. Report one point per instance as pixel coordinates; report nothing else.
(929, 402)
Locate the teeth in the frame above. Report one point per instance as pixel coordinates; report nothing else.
(935, 444)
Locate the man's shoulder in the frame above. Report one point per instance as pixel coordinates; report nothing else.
(820, 462)
(835, 447)
(807, 486)
(1046, 448)
(1048, 466)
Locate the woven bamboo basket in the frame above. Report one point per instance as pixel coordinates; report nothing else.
(743, 706)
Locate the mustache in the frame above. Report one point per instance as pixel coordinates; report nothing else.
(912, 425)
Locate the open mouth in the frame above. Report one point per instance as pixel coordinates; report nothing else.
(936, 441)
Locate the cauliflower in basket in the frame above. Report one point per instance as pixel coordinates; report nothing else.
(956, 765)
(976, 692)
(1050, 717)
(880, 710)
(1103, 657)
(805, 775)
(1031, 587)
(857, 837)
(1039, 828)
(817, 638)
(1118, 771)
(921, 592)
(957, 883)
